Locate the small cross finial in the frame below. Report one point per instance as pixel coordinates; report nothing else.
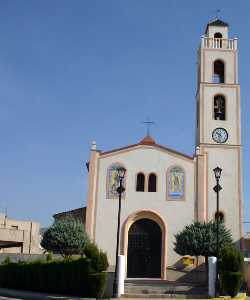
(148, 124)
(218, 11)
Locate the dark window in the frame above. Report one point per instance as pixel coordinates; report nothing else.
(218, 76)
(219, 108)
(152, 183)
(217, 40)
(221, 216)
(140, 182)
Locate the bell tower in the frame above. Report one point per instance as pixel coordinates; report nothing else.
(218, 128)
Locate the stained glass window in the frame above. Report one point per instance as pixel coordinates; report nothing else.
(176, 181)
(113, 182)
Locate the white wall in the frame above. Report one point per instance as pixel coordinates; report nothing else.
(145, 159)
(228, 160)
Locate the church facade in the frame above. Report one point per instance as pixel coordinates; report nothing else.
(165, 189)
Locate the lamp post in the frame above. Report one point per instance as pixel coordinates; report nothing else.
(217, 189)
(121, 174)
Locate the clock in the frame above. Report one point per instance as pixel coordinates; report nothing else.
(220, 135)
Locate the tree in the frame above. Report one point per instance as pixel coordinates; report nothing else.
(66, 236)
(199, 239)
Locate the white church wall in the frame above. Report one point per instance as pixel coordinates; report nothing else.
(228, 160)
(176, 213)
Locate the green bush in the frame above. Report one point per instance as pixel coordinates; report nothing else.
(231, 282)
(231, 270)
(73, 277)
(49, 257)
(99, 260)
(6, 261)
(232, 260)
(97, 286)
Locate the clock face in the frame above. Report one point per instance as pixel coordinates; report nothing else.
(220, 135)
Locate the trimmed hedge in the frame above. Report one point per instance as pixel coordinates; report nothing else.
(231, 282)
(99, 260)
(72, 277)
(231, 270)
(232, 260)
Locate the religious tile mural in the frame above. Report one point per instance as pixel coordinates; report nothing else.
(176, 181)
(113, 182)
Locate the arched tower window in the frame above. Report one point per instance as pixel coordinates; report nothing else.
(140, 182)
(220, 215)
(219, 108)
(218, 76)
(152, 180)
(217, 40)
(218, 35)
(113, 181)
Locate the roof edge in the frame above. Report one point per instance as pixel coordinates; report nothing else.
(69, 211)
(145, 145)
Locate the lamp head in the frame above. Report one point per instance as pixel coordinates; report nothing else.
(121, 172)
(217, 172)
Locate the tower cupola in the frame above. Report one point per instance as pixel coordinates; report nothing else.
(217, 29)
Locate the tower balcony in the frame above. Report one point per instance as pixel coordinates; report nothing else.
(219, 43)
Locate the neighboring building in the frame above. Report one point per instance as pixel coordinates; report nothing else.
(78, 213)
(166, 189)
(19, 236)
(247, 244)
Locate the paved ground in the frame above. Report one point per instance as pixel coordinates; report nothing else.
(2, 298)
(6, 298)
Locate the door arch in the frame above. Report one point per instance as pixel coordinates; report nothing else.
(159, 225)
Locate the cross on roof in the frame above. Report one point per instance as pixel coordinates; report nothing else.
(148, 124)
(218, 11)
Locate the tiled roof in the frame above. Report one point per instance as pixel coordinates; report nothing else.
(147, 140)
(73, 211)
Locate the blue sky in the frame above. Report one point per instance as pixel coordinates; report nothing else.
(76, 71)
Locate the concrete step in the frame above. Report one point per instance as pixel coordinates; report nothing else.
(161, 296)
(162, 289)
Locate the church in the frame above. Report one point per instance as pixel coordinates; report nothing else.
(164, 189)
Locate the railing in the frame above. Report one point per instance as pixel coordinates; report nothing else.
(215, 43)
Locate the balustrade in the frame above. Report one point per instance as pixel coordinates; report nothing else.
(218, 43)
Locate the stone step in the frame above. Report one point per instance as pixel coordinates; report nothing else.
(162, 296)
(162, 288)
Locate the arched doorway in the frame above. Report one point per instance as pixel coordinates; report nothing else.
(144, 249)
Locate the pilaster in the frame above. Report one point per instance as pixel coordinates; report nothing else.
(92, 187)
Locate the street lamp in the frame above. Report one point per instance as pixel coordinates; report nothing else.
(217, 189)
(121, 174)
